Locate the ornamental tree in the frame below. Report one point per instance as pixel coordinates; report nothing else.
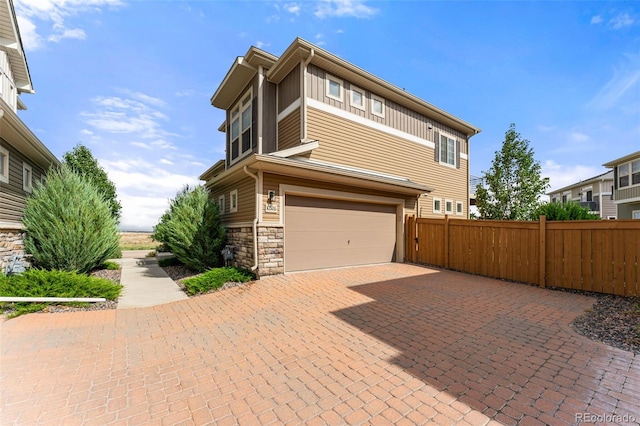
(513, 183)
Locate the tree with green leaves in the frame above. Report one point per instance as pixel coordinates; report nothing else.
(513, 183)
(81, 161)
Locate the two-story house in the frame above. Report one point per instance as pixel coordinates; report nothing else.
(324, 160)
(626, 182)
(595, 193)
(23, 158)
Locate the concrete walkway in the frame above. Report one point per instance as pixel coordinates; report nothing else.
(144, 282)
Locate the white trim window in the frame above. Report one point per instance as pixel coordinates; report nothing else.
(233, 201)
(447, 150)
(377, 106)
(629, 174)
(334, 88)
(4, 165)
(27, 178)
(221, 204)
(635, 172)
(437, 205)
(635, 214)
(357, 98)
(241, 123)
(448, 206)
(459, 208)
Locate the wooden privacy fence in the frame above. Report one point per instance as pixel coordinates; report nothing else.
(590, 255)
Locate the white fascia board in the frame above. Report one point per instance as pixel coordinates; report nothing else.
(296, 150)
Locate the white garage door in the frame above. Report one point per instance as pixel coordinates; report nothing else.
(325, 233)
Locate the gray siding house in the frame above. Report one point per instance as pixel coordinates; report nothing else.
(626, 171)
(595, 193)
(24, 159)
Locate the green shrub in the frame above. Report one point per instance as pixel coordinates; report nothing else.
(216, 278)
(169, 261)
(191, 229)
(571, 210)
(42, 283)
(112, 266)
(68, 224)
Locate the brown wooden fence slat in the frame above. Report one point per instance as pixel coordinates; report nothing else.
(601, 256)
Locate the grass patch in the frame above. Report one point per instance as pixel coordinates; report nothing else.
(41, 283)
(137, 241)
(216, 278)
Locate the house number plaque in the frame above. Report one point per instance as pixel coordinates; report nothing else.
(271, 208)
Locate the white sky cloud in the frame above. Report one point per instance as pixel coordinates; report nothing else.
(626, 78)
(621, 21)
(344, 9)
(53, 15)
(293, 8)
(597, 19)
(561, 175)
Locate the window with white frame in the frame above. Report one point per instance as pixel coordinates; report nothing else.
(334, 88)
(4, 165)
(623, 175)
(459, 208)
(629, 174)
(448, 206)
(357, 98)
(437, 205)
(221, 204)
(377, 106)
(233, 201)
(27, 177)
(447, 150)
(635, 214)
(241, 123)
(635, 172)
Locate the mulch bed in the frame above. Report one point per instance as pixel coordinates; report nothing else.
(614, 320)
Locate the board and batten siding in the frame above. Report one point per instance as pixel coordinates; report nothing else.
(396, 116)
(289, 89)
(12, 195)
(348, 143)
(273, 181)
(246, 200)
(289, 130)
(269, 117)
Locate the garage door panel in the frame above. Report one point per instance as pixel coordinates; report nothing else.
(325, 233)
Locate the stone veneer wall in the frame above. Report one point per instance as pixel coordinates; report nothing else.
(242, 240)
(270, 250)
(11, 243)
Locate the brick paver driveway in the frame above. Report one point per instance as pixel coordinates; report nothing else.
(388, 344)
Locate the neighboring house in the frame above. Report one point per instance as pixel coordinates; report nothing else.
(626, 182)
(595, 193)
(23, 158)
(324, 160)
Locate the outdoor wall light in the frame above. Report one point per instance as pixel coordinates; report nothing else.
(271, 196)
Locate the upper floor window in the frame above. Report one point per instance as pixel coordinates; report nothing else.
(334, 88)
(357, 98)
(447, 150)
(241, 120)
(377, 106)
(564, 199)
(233, 197)
(635, 172)
(4, 165)
(589, 195)
(623, 175)
(27, 177)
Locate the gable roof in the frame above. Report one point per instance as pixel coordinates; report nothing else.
(626, 158)
(608, 175)
(245, 67)
(11, 43)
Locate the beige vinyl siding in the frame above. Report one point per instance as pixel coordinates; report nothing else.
(246, 200)
(345, 142)
(289, 131)
(289, 89)
(396, 116)
(273, 181)
(12, 196)
(608, 206)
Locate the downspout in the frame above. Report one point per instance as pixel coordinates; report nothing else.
(255, 220)
(303, 111)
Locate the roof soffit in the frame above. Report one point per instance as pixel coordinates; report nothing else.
(628, 157)
(237, 78)
(11, 43)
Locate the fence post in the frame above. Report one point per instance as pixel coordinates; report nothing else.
(542, 280)
(446, 241)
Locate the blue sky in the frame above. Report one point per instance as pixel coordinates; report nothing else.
(132, 79)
